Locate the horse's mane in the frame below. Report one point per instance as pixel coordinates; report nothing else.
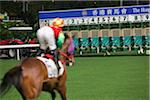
(66, 36)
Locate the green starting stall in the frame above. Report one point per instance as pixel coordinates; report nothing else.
(104, 29)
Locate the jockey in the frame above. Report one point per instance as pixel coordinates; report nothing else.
(50, 37)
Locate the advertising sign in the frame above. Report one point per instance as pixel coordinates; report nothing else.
(97, 15)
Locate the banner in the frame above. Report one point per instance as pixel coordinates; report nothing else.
(97, 15)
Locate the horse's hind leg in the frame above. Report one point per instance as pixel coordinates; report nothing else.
(30, 89)
(26, 95)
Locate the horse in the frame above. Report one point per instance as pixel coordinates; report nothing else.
(70, 53)
(30, 77)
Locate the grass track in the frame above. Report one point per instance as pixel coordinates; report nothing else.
(99, 78)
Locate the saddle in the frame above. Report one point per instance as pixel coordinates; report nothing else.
(51, 67)
(48, 56)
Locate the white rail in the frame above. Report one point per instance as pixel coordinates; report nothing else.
(18, 47)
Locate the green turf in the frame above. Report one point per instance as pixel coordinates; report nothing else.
(99, 78)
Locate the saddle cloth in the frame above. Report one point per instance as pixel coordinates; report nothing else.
(51, 67)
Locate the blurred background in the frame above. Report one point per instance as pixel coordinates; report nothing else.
(95, 38)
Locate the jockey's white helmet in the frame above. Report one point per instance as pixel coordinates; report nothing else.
(58, 22)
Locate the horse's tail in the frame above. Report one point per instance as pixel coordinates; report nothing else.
(12, 77)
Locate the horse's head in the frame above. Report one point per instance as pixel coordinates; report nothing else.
(68, 46)
(67, 42)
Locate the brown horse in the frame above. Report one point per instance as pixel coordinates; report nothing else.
(31, 77)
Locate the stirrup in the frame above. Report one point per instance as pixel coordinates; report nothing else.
(58, 67)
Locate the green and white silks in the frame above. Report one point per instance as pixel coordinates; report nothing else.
(60, 39)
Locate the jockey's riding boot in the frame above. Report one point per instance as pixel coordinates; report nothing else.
(40, 52)
(55, 55)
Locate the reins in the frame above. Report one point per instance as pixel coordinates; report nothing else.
(64, 54)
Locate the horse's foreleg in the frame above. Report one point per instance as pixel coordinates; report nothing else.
(53, 94)
(62, 91)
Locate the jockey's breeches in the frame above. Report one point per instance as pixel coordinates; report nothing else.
(46, 38)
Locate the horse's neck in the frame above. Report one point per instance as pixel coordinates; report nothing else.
(62, 58)
(63, 54)
(64, 49)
